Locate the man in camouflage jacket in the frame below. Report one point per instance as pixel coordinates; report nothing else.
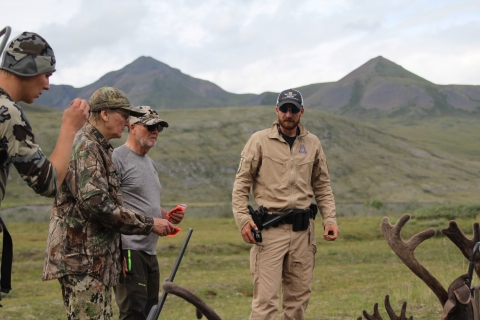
(26, 66)
(25, 69)
(83, 245)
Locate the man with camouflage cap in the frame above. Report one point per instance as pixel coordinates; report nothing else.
(88, 216)
(141, 188)
(25, 69)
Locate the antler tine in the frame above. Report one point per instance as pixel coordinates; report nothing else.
(375, 316)
(455, 234)
(392, 314)
(404, 250)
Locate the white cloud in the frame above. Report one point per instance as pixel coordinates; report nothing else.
(255, 46)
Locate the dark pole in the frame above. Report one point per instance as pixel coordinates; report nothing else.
(156, 309)
(472, 263)
(5, 31)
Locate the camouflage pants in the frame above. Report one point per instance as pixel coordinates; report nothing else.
(86, 298)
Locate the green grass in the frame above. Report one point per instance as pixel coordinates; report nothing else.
(351, 274)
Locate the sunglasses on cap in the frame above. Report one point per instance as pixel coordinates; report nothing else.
(286, 107)
(152, 127)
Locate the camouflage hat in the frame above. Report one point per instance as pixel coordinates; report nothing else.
(28, 55)
(149, 118)
(112, 98)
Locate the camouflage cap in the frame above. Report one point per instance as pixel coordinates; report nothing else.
(149, 118)
(28, 55)
(112, 98)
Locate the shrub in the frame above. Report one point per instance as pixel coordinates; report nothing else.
(377, 204)
(447, 211)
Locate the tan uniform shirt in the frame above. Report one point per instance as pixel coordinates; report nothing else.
(88, 217)
(281, 179)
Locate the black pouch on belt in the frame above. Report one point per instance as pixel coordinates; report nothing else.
(301, 220)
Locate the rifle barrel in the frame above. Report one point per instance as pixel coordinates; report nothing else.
(156, 309)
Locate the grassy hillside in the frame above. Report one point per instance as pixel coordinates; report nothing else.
(198, 155)
(459, 136)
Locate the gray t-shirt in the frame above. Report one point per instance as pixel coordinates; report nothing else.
(141, 190)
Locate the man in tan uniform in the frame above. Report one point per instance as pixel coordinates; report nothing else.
(284, 167)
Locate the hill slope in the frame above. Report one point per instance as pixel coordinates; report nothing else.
(197, 158)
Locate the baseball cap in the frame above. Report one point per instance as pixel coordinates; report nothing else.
(112, 98)
(149, 118)
(290, 96)
(28, 55)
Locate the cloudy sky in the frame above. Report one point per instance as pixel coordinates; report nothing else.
(255, 46)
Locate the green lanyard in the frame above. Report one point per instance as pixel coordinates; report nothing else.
(129, 261)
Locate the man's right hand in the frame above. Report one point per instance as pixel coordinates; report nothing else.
(247, 232)
(75, 116)
(162, 227)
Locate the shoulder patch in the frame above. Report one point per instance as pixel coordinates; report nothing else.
(240, 165)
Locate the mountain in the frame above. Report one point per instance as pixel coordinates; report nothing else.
(147, 81)
(382, 87)
(378, 88)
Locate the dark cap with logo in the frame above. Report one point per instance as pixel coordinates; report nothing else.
(291, 96)
(112, 98)
(28, 55)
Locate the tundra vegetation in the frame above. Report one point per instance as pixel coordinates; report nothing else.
(351, 274)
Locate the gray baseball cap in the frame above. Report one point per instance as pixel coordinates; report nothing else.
(28, 55)
(149, 118)
(112, 98)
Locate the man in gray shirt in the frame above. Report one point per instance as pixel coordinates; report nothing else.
(141, 190)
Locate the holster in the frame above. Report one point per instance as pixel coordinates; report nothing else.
(301, 220)
(314, 210)
(257, 216)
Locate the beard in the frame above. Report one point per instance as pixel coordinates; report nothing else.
(288, 123)
(146, 143)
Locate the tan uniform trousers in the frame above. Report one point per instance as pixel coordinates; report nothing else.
(285, 258)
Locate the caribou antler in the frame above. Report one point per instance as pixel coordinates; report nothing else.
(202, 307)
(393, 316)
(404, 250)
(466, 246)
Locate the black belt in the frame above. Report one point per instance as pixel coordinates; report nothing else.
(299, 219)
(268, 217)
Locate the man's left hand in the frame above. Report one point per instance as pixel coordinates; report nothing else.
(331, 232)
(175, 216)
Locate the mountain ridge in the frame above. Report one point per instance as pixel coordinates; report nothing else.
(377, 88)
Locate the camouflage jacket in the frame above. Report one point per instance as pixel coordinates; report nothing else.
(88, 217)
(17, 146)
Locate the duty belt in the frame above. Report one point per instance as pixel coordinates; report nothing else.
(300, 219)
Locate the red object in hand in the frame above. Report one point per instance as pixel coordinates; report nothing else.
(180, 207)
(175, 231)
